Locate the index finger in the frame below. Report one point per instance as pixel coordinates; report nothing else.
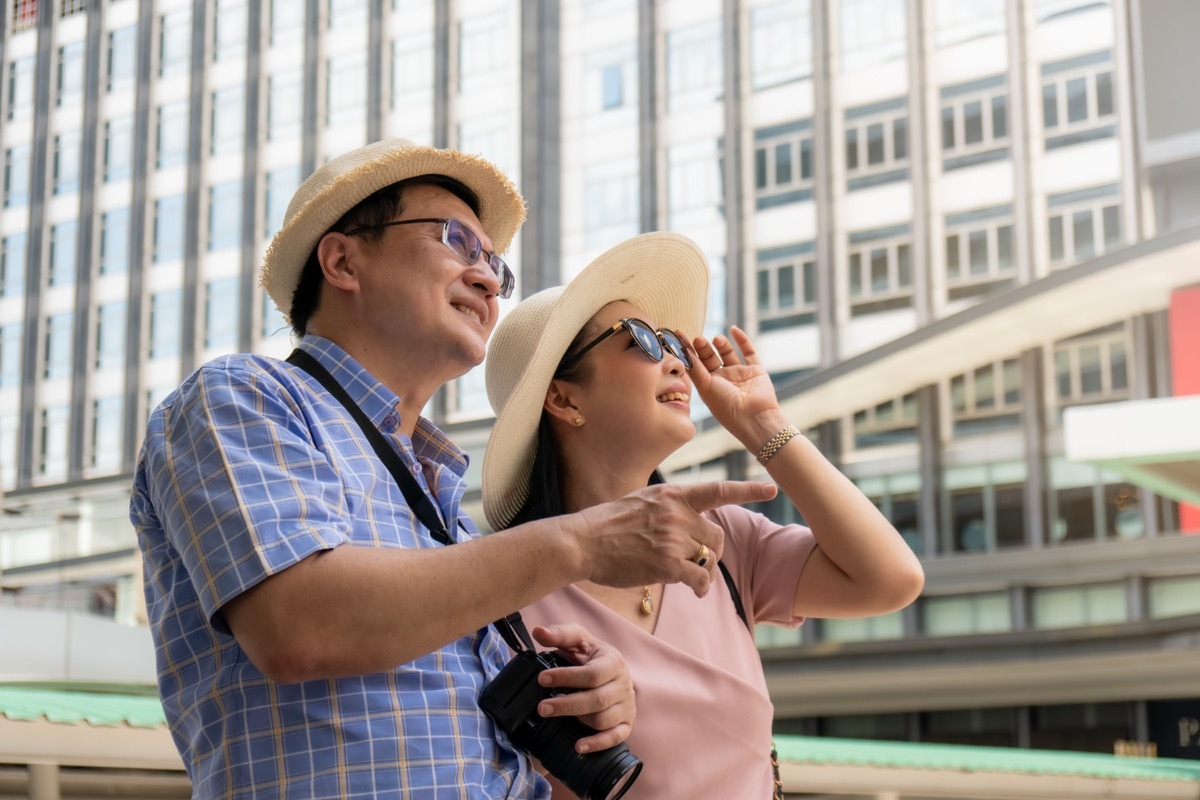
(706, 496)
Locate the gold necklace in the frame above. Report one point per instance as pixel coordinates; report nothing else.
(647, 603)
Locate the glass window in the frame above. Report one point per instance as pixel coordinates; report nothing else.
(70, 75)
(875, 144)
(175, 42)
(347, 89)
(8, 449)
(118, 149)
(285, 104)
(111, 325)
(412, 64)
(107, 426)
(1010, 515)
(225, 215)
(1173, 597)
(695, 65)
(287, 20)
(53, 441)
(879, 269)
(168, 228)
(1050, 106)
(221, 314)
(872, 32)
(172, 134)
(967, 614)
(11, 342)
(63, 238)
(20, 89)
(57, 364)
(1104, 94)
(1000, 116)
(888, 626)
(229, 29)
(344, 13)
(780, 43)
(114, 241)
(1058, 248)
(611, 204)
(1074, 606)
(66, 162)
(612, 92)
(953, 265)
(480, 60)
(1077, 105)
(1083, 234)
(1112, 226)
(281, 185)
(166, 309)
(122, 58)
(229, 120)
(12, 264)
(16, 176)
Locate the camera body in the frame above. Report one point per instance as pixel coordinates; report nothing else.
(511, 699)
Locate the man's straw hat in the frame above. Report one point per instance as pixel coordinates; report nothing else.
(347, 180)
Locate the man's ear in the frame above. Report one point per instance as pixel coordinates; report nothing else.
(334, 253)
(560, 401)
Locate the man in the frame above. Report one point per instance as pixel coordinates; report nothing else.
(312, 638)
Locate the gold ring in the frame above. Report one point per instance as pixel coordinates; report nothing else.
(701, 557)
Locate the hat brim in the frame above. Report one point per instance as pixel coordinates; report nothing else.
(344, 182)
(663, 274)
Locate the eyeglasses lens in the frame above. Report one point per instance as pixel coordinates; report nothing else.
(463, 241)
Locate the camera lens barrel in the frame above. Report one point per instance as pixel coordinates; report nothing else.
(512, 698)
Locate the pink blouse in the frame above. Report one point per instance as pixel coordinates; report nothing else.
(703, 727)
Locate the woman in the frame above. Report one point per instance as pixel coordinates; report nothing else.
(593, 387)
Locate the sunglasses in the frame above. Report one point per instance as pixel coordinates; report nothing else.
(652, 342)
(464, 243)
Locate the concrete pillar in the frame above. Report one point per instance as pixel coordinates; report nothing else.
(43, 782)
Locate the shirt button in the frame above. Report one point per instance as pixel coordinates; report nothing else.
(416, 469)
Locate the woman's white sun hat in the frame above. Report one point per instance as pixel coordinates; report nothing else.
(663, 274)
(338, 186)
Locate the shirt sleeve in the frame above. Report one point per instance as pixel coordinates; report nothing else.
(765, 560)
(241, 489)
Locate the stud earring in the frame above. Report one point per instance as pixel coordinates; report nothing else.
(578, 421)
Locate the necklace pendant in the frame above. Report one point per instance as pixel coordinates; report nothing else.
(647, 603)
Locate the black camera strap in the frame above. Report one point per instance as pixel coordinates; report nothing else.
(512, 627)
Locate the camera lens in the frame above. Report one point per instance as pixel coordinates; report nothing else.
(605, 775)
(511, 699)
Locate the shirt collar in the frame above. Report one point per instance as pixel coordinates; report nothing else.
(381, 404)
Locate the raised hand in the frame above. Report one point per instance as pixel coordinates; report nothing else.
(734, 385)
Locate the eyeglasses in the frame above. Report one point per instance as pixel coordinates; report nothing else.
(464, 243)
(652, 342)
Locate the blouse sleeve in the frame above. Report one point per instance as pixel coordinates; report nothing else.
(765, 560)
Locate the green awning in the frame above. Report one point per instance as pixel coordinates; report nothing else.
(970, 758)
(133, 707)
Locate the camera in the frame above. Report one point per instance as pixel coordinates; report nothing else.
(511, 699)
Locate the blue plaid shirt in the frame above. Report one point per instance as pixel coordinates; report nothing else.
(248, 468)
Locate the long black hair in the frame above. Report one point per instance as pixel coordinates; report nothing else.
(544, 498)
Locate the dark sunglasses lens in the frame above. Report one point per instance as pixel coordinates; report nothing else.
(462, 241)
(646, 338)
(677, 347)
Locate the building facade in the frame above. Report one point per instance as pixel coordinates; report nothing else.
(945, 222)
